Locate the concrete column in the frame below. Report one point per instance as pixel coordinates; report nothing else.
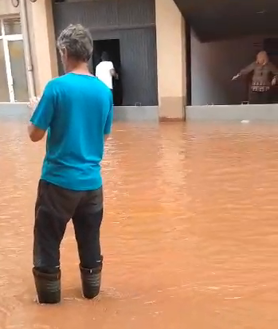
(171, 61)
(43, 44)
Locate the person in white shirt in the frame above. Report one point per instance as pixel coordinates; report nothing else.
(105, 71)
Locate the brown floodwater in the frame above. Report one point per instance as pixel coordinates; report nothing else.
(190, 236)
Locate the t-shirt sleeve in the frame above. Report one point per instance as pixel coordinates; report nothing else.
(111, 66)
(44, 111)
(109, 119)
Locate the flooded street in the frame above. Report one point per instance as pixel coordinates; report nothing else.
(190, 236)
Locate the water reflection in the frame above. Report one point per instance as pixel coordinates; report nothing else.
(190, 236)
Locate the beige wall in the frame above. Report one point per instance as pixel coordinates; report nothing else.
(42, 39)
(43, 45)
(6, 8)
(171, 61)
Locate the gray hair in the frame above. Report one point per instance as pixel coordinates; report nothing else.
(77, 41)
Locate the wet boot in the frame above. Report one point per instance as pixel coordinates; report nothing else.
(48, 286)
(91, 280)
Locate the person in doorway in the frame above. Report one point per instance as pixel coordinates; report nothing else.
(264, 75)
(76, 110)
(105, 71)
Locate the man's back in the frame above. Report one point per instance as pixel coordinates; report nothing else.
(103, 73)
(81, 116)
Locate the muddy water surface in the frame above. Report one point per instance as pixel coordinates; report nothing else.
(190, 236)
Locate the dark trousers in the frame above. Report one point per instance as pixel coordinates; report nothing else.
(257, 97)
(54, 208)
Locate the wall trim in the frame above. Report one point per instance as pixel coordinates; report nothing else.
(245, 113)
(121, 113)
(136, 113)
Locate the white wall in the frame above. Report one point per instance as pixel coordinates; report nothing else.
(214, 64)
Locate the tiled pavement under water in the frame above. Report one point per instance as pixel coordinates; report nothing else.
(190, 236)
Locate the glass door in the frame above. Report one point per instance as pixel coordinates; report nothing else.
(18, 70)
(13, 80)
(4, 90)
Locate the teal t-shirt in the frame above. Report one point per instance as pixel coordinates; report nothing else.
(77, 112)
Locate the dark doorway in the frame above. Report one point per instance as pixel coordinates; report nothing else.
(112, 48)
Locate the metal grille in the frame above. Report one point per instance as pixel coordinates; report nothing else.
(133, 23)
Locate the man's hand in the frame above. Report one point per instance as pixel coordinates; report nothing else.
(35, 133)
(235, 77)
(33, 102)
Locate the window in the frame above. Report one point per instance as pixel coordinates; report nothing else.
(4, 91)
(12, 26)
(13, 82)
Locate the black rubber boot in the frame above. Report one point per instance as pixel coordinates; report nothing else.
(48, 287)
(91, 281)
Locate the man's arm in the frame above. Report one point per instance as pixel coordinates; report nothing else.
(35, 134)
(109, 121)
(113, 71)
(43, 114)
(248, 69)
(274, 71)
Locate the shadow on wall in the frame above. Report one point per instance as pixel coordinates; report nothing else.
(213, 65)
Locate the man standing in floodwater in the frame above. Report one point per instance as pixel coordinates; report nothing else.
(76, 110)
(105, 71)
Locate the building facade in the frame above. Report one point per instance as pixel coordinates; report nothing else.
(150, 54)
(12, 65)
(162, 63)
(126, 30)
